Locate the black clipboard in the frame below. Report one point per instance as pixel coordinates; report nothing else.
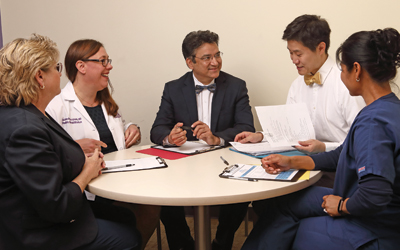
(188, 148)
(231, 172)
(135, 164)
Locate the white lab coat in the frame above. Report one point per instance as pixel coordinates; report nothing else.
(69, 112)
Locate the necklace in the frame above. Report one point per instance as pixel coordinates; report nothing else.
(90, 104)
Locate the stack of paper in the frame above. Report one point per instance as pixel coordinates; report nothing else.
(261, 148)
(286, 125)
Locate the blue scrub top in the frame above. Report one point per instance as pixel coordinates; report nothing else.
(372, 146)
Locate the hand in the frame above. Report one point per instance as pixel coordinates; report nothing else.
(92, 169)
(274, 164)
(330, 204)
(203, 132)
(177, 135)
(89, 145)
(94, 164)
(311, 146)
(132, 136)
(245, 137)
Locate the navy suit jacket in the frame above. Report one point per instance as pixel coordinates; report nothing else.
(230, 115)
(40, 206)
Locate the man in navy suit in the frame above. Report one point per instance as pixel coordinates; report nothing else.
(216, 106)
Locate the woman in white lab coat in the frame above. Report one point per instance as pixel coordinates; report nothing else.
(87, 111)
(79, 107)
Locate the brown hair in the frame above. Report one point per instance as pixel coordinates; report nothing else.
(20, 60)
(83, 49)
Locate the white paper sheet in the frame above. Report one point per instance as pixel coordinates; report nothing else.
(138, 164)
(190, 147)
(285, 125)
(261, 148)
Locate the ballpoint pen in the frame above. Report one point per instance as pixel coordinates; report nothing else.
(224, 161)
(187, 128)
(119, 166)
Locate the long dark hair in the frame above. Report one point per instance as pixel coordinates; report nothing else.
(378, 52)
(83, 49)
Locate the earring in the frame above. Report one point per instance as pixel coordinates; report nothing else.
(357, 79)
(42, 87)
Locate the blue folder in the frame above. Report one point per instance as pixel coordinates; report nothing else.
(287, 153)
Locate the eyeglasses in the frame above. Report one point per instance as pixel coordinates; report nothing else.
(104, 62)
(208, 59)
(59, 67)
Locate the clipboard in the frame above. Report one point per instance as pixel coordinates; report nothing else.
(189, 148)
(134, 164)
(257, 172)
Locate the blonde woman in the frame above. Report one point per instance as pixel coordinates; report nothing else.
(43, 171)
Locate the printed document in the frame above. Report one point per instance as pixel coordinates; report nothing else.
(285, 125)
(255, 172)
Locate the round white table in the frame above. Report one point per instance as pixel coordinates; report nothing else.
(191, 181)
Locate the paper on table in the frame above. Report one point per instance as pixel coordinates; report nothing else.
(138, 164)
(285, 125)
(261, 148)
(190, 147)
(256, 172)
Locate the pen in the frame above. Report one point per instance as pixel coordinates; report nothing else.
(187, 128)
(243, 179)
(120, 166)
(224, 161)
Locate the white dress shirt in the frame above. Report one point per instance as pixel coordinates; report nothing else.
(204, 103)
(330, 105)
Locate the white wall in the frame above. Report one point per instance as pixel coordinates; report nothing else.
(144, 39)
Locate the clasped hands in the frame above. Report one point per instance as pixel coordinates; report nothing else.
(200, 130)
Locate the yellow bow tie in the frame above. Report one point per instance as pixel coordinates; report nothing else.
(310, 79)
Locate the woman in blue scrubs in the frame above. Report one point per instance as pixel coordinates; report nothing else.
(362, 211)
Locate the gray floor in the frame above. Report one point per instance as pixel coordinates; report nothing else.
(237, 244)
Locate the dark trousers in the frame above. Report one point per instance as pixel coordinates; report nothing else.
(230, 218)
(114, 235)
(178, 232)
(117, 227)
(297, 221)
(176, 228)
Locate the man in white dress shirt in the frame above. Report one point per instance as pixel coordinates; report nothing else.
(319, 86)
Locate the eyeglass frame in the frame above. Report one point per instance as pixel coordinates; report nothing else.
(108, 60)
(59, 67)
(207, 60)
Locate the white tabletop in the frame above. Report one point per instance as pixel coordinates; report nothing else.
(190, 181)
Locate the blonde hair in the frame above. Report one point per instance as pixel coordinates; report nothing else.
(20, 60)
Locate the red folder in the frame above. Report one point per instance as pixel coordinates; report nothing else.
(162, 153)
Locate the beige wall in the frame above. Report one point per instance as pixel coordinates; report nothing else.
(144, 39)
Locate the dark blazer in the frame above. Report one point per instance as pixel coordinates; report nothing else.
(40, 208)
(230, 115)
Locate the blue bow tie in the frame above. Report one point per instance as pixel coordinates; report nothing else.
(210, 87)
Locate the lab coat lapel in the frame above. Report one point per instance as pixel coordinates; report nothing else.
(77, 105)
